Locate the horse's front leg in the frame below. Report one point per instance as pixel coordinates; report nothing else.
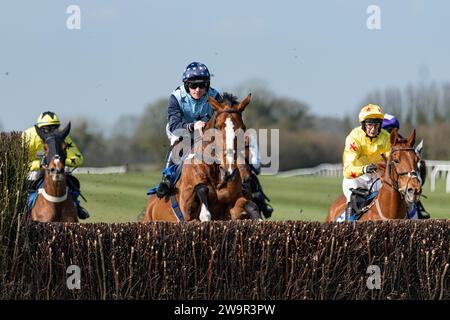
(201, 192)
(196, 202)
(245, 209)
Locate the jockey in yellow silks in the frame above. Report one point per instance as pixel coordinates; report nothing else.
(363, 148)
(49, 122)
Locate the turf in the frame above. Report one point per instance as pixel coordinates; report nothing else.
(117, 198)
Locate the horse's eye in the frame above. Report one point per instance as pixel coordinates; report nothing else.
(396, 160)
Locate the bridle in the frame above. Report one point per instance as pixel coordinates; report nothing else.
(223, 111)
(413, 174)
(53, 172)
(224, 174)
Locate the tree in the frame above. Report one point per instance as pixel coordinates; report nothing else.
(150, 139)
(90, 143)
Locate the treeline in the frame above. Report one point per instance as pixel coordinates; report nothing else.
(143, 139)
(424, 107)
(305, 139)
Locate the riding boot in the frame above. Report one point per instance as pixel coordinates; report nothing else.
(267, 210)
(74, 186)
(259, 197)
(82, 212)
(348, 211)
(165, 185)
(421, 212)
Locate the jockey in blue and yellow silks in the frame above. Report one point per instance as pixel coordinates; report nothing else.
(363, 148)
(49, 122)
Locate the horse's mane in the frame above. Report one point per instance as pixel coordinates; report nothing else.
(229, 99)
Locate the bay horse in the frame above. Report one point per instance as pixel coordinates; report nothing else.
(211, 191)
(401, 186)
(54, 202)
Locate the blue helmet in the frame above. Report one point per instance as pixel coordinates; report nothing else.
(390, 122)
(196, 70)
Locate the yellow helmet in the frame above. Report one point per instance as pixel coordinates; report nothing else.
(48, 118)
(371, 111)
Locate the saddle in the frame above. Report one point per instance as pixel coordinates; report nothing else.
(360, 200)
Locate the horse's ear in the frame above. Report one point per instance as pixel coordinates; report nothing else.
(244, 102)
(412, 139)
(394, 136)
(214, 104)
(65, 131)
(40, 133)
(419, 147)
(384, 157)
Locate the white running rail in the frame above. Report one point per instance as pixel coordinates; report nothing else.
(435, 168)
(103, 170)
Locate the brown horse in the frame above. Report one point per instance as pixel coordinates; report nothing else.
(205, 190)
(54, 202)
(401, 185)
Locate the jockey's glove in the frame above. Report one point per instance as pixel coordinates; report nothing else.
(369, 168)
(190, 127)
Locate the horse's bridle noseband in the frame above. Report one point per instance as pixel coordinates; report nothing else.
(53, 171)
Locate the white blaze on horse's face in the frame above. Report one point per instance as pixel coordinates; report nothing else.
(229, 140)
(57, 172)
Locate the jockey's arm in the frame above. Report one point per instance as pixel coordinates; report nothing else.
(352, 159)
(30, 137)
(74, 156)
(175, 116)
(254, 156)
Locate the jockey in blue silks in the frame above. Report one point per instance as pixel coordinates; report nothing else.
(189, 109)
(390, 122)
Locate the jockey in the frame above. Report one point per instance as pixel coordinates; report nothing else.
(390, 122)
(49, 122)
(189, 109)
(363, 148)
(254, 162)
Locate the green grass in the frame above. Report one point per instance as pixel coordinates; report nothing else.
(122, 197)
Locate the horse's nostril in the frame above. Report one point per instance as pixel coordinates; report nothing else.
(410, 190)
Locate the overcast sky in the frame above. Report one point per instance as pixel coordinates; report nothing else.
(130, 53)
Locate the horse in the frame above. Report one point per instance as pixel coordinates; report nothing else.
(54, 202)
(211, 191)
(401, 186)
